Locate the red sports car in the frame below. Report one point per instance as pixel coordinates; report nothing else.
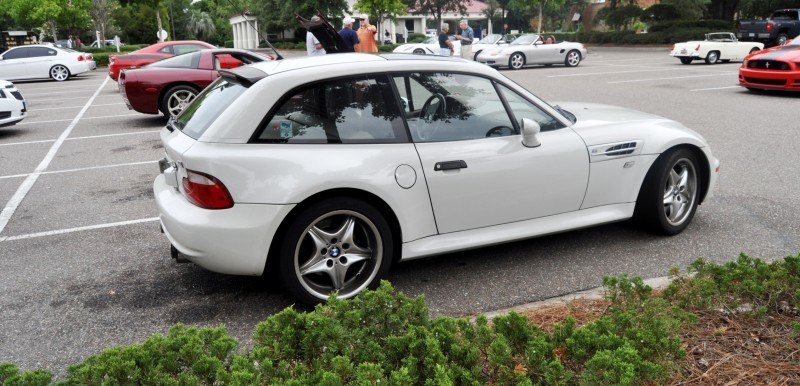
(776, 68)
(171, 84)
(153, 53)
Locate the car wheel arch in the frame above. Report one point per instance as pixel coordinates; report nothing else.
(705, 174)
(363, 195)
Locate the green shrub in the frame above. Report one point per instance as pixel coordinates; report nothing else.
(706, 25)
(417, 38)
(387, 47)
(101, 58)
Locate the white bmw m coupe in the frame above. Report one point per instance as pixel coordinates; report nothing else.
(329, 169)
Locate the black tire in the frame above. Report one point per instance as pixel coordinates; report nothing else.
(573, 58)
(651, 206)
(163, 104)
(59, 73)
(475, 57)
(781, 39)
(725, 60)
(686, 60)
(754, 50)
(419, 51)
(712, 57)
(516, 61)
(369, 227)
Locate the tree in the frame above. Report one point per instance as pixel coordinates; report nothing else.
(154, 4)
(383, 9)
(689, 9)
(723, 9)
(492, 11)
(136, 23)
(74, 16)
(200, 24)
(35, 13)
(101, 12)
(278, 15)
(437, 8)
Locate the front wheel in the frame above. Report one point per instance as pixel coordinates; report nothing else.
(670, 193)
(516, 61)
(340, 245)
(712, 57)
(573, 58)
(419, 51)
(59, 73)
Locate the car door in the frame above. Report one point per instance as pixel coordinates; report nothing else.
(478, 171)
(40, 60)
(12, 65)
(544, 53)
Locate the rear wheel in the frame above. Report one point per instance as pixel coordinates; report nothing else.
(338, 245)
(419, 51)
(516, 61)
(781, 40)
(686, 60)
(670, 193)
(712, 57)
(176, 99)
(573, 58)
(59, 73)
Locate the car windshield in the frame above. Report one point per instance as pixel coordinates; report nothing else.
(190, 60)
(204, 110)
(718, 37)
(489, 39)
(525, 39)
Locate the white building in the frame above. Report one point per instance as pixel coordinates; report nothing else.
(245, 32)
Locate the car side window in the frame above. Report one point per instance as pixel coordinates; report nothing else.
(184, 48)
(166, 50)
(34, 52)
(16, 53)
(359, 109)
(452, 107)
(522, 108)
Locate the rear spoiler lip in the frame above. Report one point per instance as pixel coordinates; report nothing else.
(245, 76)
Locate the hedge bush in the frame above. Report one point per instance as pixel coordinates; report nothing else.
(112, 49)
(101, 58)
(384, 337)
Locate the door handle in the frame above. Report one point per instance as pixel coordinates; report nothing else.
(450, 165)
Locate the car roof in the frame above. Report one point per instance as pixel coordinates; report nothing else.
(278, 66)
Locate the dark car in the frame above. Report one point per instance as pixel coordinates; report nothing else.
(169, 85)
(782, 25)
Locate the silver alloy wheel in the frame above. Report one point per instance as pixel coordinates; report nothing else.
(59, 73)
(712, 57)
(573, 58)
(516, 61)
(340, 251)
(680, 191)
(179, 100)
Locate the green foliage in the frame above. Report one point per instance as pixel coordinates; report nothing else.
(417, 38)
(661, 13)
(763, 285)
(387, 47)
(11, 376)
(681, 25)
(620, 17)
(275, 16)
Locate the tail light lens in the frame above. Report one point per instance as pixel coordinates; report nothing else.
(206, 191)
(769, 26)
(673, 47)
(80, 58)
(88, 56)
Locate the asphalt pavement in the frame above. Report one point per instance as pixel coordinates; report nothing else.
(83, 265)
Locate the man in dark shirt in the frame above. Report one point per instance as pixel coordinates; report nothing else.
(445, 45)
(350, 37)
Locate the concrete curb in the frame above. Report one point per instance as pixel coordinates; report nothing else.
(590, 294)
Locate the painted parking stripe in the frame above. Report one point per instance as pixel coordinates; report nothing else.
(675, 77)
(28, 94)
(77, 107)
(80, 138)
(715, 88)
(78, 229)
(647, 69)
(27, 184)
(34, 102)
(66, 120)
(78, 169)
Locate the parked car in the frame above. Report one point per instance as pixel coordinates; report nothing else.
(429, 47)
(42, 61)
(718, 46)
(531, 49)
(776, 68)
(89, 58)
(13, 107)
(490, 41)
(153, 53)
(330, 169)
(169, 85)
(782, 25)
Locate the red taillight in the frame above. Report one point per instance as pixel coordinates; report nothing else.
(673, 47)
(769, 26)
(206, 191)
(697, 48)
(88, 56)
(80, 58)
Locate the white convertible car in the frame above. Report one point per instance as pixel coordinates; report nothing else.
(531, 49)
(718, 46)
(491, 41)
(360, 161)
(429, 47)
(13, 107)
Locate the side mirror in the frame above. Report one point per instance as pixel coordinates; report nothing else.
(530, 129)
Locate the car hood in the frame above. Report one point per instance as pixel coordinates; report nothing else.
(783, 53)
(600, 124)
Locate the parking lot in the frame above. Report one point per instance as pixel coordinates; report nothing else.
(83, 265)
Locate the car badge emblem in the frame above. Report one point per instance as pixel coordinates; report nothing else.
(335, 252)
(766, 64)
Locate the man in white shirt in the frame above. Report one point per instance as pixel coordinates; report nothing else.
(313, 46)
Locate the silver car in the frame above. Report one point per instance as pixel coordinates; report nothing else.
(533, 49)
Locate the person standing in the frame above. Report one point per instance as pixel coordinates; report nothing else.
(349, 36)
(313, 46)
(69, 41)
(366, 38)
(445, 45)
(467, 37)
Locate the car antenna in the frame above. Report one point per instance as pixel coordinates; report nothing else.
(278, 56)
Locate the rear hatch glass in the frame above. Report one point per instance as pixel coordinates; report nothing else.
(198, 117)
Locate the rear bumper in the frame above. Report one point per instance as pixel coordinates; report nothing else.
(13, 115)
(232, 241)
(770, 80)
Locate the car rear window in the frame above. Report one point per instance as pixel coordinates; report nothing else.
(198, 117)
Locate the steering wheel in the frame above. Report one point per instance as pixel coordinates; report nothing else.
(500, 131)
(428, 123)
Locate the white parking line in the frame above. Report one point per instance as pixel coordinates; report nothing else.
(28, 94)
(25, 187)
(56, 99)
(78, 138)
(611, 72)
(676, 77)
(78, 229)
(77, 170)
(715, 88)
(82, 87)
(65, 120)
(77, 107)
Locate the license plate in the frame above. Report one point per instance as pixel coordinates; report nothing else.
(752, 35)
(683, 51)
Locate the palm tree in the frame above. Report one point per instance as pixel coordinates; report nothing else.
(200, 24)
